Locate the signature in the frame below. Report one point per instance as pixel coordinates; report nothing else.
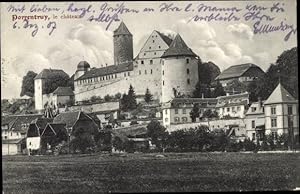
(26, 24)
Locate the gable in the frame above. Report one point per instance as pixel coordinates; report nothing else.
(154, 46)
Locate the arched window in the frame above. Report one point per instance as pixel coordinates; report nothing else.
(188, 71)
(187, 61)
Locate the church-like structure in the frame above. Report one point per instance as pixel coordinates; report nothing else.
(165, 66)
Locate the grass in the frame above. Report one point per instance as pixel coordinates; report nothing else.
(180, 172)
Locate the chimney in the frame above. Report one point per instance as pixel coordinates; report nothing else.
(105, 64)
(259, 103)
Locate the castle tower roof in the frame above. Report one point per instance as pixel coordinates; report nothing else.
(83, 64)
(178, 48)
(280, 95)
(122, 30)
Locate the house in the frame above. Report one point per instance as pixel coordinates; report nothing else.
(35, 129)
(16, 126)
(281, 113)
(233, 105)
(13, 146)
(178, 110)
(244, 73)
(255, 121)
(75, 121)
(52, 135)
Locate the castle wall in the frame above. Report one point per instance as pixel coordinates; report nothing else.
(180, 73)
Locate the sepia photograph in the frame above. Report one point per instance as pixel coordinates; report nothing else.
(149, 96)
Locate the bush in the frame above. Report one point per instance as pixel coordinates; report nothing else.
(249, 145)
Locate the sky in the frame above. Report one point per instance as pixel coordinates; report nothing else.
(225, 43)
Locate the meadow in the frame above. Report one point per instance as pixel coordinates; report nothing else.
(170, 172)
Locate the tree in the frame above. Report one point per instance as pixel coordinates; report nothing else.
(118, 95)
(218, 90)
(131, 98)
(148, 96)
(207, 71)
(202, 90)
(28, 84)
(54, 81)
(210, 114)
(195, 112)
(107, 98)
(236, 86)
(157, 133)
(83, 140)
(124, 102)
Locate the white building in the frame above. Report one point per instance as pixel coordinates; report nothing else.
(281, 113)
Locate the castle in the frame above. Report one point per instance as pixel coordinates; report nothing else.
(163, 66)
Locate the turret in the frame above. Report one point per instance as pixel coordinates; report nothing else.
(180, 70)
(82, 67)
(123, 45)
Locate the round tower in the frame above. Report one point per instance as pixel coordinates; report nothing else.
(82, 67)
(179, 70)
(123, 45)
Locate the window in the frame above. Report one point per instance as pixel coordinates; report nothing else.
(124, 74)
(176, 119)
(153, 41)
(273, 110)
(29, 143)
(187, 61)
(273, 122)
(184, 119)
(238, 108)
(290, 110)
(253, 136)
(149, 47)
(253, 124)
(163, 72)
(151, 62)
(146, 72)
(163, 83)
(184, 111)
(115, 75)
(154, 53)
(5, 137)
(140, 72)
(187, 71)
(11, 134)
(166, 119)
(128, 73)
(188, 81)
(253, 109)
(144, 54)
(166, 111)
(176, 111)
(233, 109)
(142, 62)
(158, 46)
(228, 109)
(151, 71)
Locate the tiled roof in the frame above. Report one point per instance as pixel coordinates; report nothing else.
(68, 118)
(112, 69)
(15, 122)
(241, 95)
(48, 73)
(122, 30)
(41, 123)
(228, 104)
(236, 71)
(280, 95)
(63, 91)
(178, 48)
(207, 102)
(165, 38)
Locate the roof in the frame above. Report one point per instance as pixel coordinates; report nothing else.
(48, 73)
(15, 122)
(165, 38)
(83, 64)
(227, 104)
(63, 91)
(178, 48)
(203, 101)
(111, 69)
(240, 95)
(42, 122)
(122, 30)
(280, 95)
(236, 71)
(68, 118)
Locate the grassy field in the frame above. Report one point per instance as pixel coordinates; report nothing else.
(148, 173)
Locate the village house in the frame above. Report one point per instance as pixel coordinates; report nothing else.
(281, 113)
(177, 111)
(255, 121)
(233, 105)
(13, 130)
(35, 129)
(244, 73)
(75, 121)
